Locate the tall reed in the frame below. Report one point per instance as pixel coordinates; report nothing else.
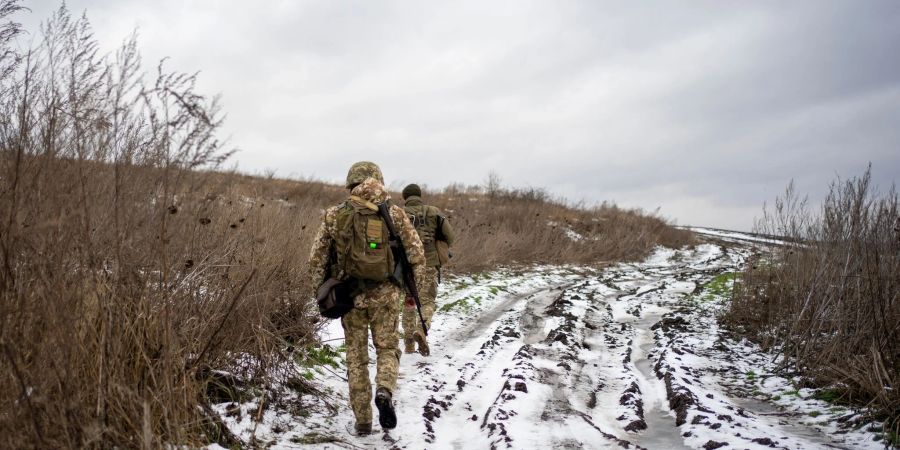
(830, 299)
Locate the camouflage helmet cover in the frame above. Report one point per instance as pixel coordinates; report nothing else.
(362, 170)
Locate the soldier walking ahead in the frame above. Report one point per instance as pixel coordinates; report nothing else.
(355, 238)
(437, 237)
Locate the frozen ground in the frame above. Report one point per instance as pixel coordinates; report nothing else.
(566, 357)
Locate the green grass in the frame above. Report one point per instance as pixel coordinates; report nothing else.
(464, 304)
(814, 414)
(323, 355)
(479, 277)
(720, 286)
(828, 395)
(751, 375)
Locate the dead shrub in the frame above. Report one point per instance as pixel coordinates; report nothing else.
(127, 271)
(829, 299)
(529, 226)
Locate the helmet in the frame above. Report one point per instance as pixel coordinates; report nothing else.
(362, 170)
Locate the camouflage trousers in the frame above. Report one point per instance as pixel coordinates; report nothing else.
(378, 310)
(427, 296)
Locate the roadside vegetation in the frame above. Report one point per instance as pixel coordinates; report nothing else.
(127, 274)
(506, 226)
(829, 300)
(139, 282)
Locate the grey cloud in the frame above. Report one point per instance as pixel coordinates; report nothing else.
(706, 105)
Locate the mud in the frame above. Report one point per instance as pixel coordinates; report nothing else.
(592, 360)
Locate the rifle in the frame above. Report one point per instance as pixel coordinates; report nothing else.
(408, 277)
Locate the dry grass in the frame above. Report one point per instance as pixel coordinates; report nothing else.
(126, 273)
(831, 300)
(131, 268)
(527, 226)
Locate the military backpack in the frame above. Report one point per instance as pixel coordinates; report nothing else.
(361, 242)
(425, 225)
(429, 225)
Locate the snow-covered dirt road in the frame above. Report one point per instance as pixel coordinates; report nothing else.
(631, 356)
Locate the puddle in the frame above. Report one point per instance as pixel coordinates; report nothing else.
(765, 409)
(661, 431)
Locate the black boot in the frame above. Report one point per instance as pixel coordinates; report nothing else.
(386, 415)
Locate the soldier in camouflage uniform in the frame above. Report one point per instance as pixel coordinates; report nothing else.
(431, 225)
(376, 308)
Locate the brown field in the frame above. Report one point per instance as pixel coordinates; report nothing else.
(132, 266)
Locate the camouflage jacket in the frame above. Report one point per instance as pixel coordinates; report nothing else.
(373, 191)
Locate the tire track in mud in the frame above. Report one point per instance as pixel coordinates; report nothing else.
(600, 362)
(501, 331)
(562, 347)
(502, 369)
(630, 357)
(603, 337)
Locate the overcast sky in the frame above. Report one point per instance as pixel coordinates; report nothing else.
(705, 110)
